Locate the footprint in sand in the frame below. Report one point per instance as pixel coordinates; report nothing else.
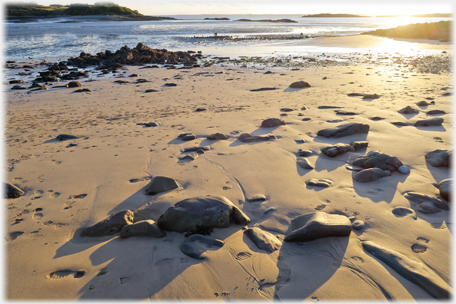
(54, 194)
(56, 162)
(79, 196)
(420, 245)
(243, 255)
(60, 274)
(164, 262)
(37, 214)
(13, 235)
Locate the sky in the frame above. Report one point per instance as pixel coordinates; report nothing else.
(225, 7)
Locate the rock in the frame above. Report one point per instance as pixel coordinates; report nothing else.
(287, 110)
(142, 228)
(256, 197)
(62, 137)
(217, 136)
(121, 81)
(375, 118)
(300, 141)
(358, 225)
(246, 137)
(329, 107)
(264, 240)
(299, 85)
(272, 122)
(160, 184)
(422, 103)
(342, 112)
(74, 84)
(324, 182)
(304, 153)
(110, 225)
(359, 145)
(18, 87)
(439, 158)
(81, 90)
(200, 109)
(195, 246)
(355, 94)
(150, 91)
(428, 208)
(12, 191)
(195, 149)
(378, 160)
(187, 136)
(149, 124)
(304, 163)
(141, 80)
(429, 122)
(401, 123)
(263, 89)
(344, 130)
(199, 215)
(170, 84)
(445, 187)
(370, 175)
(419, 198)
(371, 96)
(15, 81)
(414, 271)
(403, 211)
(408, 110)
(403, 170)
(337, 149)
(190, 157)
(435, 112)
(317, 225)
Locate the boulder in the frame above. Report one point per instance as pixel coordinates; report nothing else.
(196, 245)
(160, 184)
(74, 84)
(370, 175)
(217, 136)
(378, 160)
(272, 122)
(300, 84)
(344, 130)
(200, 215)
(429, 122)
(142, 228)
(337, 149)
(408, 110)
(263, 239)
(445, 187)
(439, 158)
(110, 225)
(317, 225)
(187, 136)
(435, 112)
(359, 145)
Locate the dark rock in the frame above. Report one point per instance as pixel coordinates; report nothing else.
(133, 75)
(195, 245)
(375, 118)
(148, 124)
(199, 215)
(439, 158)
(355, 94)
(304, 153)
(141, 80)
(286, 109)
(195, 149)
(62, 137)
(371, 96)
(401, 123)
(429, 122)
(256, 197)
(422, 103)
(341, 112)
(272, 122)
(190, 157)
(300, 84)
(217, 136)
(160, 184)
(264, 240)
(408, 110)
(18, 87)
(200, 109)
(317, 225)
(337, 149)
(306, 119)
(415, 271)
(246, 137)
(445, 187)
(82, 90)
(344, 130)
(435, 112)
(170, 84)
(263, 89)
(16, 81)
(359, 145)
(142, 228)
(370, 175)
(421, 199)
(358, 225)
(323, 182)
(150, 91)
(12, 191)
(110, 225)
(378, 160)
(404, 211)
(329, 107)
(74, 84)
(187, 136)
(304, 163)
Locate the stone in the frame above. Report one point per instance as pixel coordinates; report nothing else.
(152, 124)
(323, 182)
(150, 91)
(304, 163)
(344, 130)
(62, 137)
(246, 137)
(74, 84)
(355, 94)
(342, 112)
(404, 211)
(200, 109)
(191, 156)
(359, 145)
(263, 89)
(358, 225)
(435, 112)
(300, 84)
(196, 245)
(11, 191)
(160, 184)
(408, 110)
(378, 160)
(404, 170)
(256, 198)
(305, 153)
(200, 215)
(110, 225)
(142, 228)
(263, 239)
(317, 225)
(18, 87)
(217, 136)
(439, 158)
(370, 175)
(415, 271)
(272, 122)
(429, 122)
(187, 136)
(445, 187)
(422, 103)
(371, 96)
(171, 84)
(419, 198)
(81, 90)
(195, 149)
(287, 110)
(337, 149)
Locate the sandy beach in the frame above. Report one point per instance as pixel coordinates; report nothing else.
(398, 245)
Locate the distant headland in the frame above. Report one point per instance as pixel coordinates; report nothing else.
(325, 15)
(433, 31)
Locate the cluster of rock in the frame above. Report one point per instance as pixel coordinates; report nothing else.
(344, 130)
(377, 165)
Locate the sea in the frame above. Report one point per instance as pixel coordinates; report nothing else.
(56, 39)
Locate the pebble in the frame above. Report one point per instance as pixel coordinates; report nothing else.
(404, 170)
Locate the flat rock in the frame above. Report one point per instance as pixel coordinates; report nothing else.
(404, 211)
(110, 225)
(342, 112)
(429, 122)
(337, 149)
(256, 198)
(196, 245)
(323, 182)
(304, 163)
(187, 136)
(12, 191)
(445, 187)
(305, 153)
(317, 225)
(359, 145)
(435, 112)
(401, 123)
(272, 122)
(150, 91)
(419, 198)
(195, 149)
(263, 89)
(62, 137)
(408, 110)
(199, 215)
(378, 160)
(439, 158)
(142, 228)
(263, 239)
(148, 124)
(300, 84)
(355, 94)
(217, 136)
(344, 130)
(170, 84)
(371, 96)
(287, 110)
(200, 109)
(246, 137)
(190, 157)
(415, 271)
(160, 184)
(370, 175)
